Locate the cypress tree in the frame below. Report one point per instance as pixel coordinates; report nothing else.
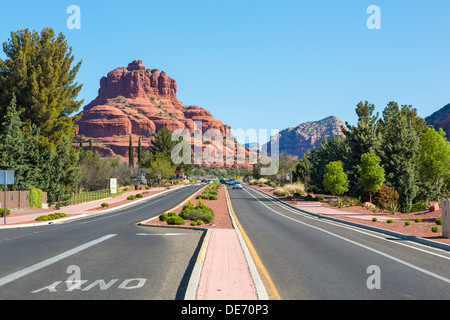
(139, 151)
(91, 148)
(130, 154)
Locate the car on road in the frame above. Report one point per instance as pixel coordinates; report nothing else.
(237, 186)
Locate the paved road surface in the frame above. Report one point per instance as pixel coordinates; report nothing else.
(115, 258)
(311, 258)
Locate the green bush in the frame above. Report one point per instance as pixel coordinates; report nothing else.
(131, 197)
(197, 214)
(193, 223)
(311, 198)
(281, 192)
(52, 216)
(374, 219)
(438, 221)
(407, 223)
(389, 221)
(435, 229)
(199, 222)
(8, 212)
(188, 206)
(163, 217)
(204, 207)
(418, 220)
(320, 198)
(35, 197)
(105, 205)
(139, 195)
(175, 220)
(420, 206)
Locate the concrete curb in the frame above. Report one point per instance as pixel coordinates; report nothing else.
(403, 236)
(84, 215)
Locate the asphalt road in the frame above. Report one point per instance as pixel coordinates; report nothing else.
(103, 257)
(311, 258)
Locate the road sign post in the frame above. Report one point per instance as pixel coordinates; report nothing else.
(7, 176)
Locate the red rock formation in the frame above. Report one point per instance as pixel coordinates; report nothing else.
(137, 101)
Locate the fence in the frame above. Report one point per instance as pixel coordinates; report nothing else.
(18, 199)
(75, 198)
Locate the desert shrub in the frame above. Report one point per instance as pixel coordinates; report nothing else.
(420, 206)
(438, 221)
(42, 218)
(197, 214)
(435, 229)
(320, 198)
(392, 207)
(374, 219)
(8, 212)
(139, 195)
(389, 221)
(175, 220)
(281, 192)
(105, 205)
(131, 197)
(207, 196)
(311, 198)
(163, 217)
(199, 222)
(407, 223)
(386, 196)
(210, 191)
(294, 187)
(204, 207)
(418, 220)
(188, 206)
(193, 223)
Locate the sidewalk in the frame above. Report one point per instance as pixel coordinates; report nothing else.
(25, 218)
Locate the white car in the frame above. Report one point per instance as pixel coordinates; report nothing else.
(237, 186)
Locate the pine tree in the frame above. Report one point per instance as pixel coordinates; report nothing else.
(360, 139)
(38, 70)
(399, 151)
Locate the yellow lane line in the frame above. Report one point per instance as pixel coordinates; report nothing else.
(268, 283)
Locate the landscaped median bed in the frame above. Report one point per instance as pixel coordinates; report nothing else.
(52, 216)
(200, 210)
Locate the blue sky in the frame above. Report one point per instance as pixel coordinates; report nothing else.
(262, 64)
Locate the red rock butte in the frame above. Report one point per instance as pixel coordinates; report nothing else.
(137, 102)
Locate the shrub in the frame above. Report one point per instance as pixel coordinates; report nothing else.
(199, 222)
(387, 196)
(188, 206)
(392, 207)
(311, 198)
(389, 221)
(204, 207)
(374, 219)
(8, 212)
(105, 205)
(294, 188)
(320, 198)
(438, 221)
(407, 223)
(51, 217)
(163, 217)
(139, 195)
(281, 192)
(175, 220)
(131, 197)
(193, 223)
(418, 220)
(35, 197)
(420, 206)
(42, 218)
(197, 214)
(435, 229)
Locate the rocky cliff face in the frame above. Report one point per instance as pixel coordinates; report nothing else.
(296, 141)
(136, 101)
(441, 119)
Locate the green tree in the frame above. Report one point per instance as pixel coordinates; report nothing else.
(335, 180)
(130, 154)
(162, 143)
(371, 173)
(139, 151)
(434, 157)
(360, 139)
(160, 165)
(38, 71)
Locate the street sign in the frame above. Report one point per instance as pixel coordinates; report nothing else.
(113, 185)
(9, 177)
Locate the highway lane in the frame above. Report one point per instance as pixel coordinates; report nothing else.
(311, 258)
(105, 256)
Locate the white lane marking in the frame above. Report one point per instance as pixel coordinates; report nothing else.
(21, 273)
(359, 244)
(161, 234)
(356, 229)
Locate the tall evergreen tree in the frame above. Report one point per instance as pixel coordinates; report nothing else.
(38, 70)
(399, 151)
(130, 154)
(361, 139)
(139, 151)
